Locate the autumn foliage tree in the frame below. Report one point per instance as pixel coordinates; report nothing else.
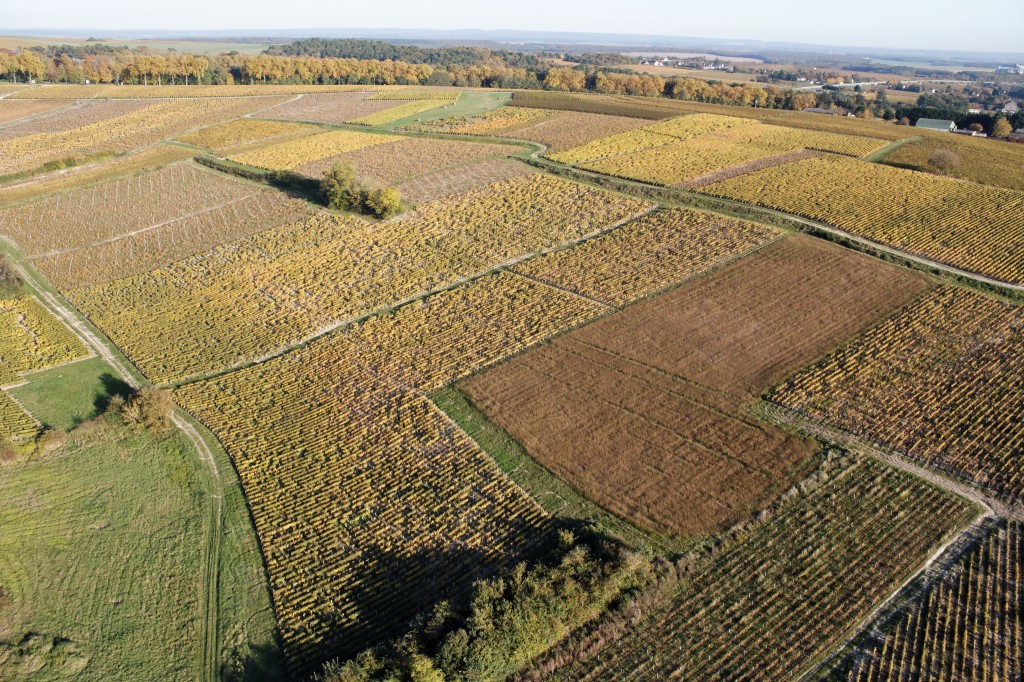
(151, 408)
(343, 192)
(384, 203)
(340, 188)
(1001, 128)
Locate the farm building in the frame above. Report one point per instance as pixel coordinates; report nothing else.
(935, 124)
(1017, 135)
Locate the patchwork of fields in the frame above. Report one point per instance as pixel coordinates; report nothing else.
(645, 410)
(630, 347)
(940, 382)
(969, 226)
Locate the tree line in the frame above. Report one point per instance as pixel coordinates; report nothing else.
(352, 48)
(470, 67)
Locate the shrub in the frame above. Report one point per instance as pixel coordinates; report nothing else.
(150, 407)
(384, 203)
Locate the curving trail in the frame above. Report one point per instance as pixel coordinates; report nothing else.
(215, 487)
(940, 560)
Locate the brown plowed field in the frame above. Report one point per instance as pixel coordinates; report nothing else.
(644, 411)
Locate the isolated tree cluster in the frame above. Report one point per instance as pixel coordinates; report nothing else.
(149, 407)
(344, 193)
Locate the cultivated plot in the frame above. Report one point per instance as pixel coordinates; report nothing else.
(369, 503)
(328, 108)
(122, 208)
(786, 592)
(383, 165)
(940, 382)
(248, 298)
(969, 226)
(159, 121)
(644, 411)
(967, 626)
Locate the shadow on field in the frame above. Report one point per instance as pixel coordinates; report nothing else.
(112, 387)
(395, 589)
(262, 664)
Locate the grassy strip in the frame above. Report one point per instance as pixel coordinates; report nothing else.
(879, 155)
(782, 221)
(556, 496)
(55, 165)
(468, 104)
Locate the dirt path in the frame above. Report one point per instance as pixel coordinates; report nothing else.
(215, 486)
(75, 322)
(939, 561)
(211, 563)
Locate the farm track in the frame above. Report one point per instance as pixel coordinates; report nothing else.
(211, 565)
(349, 321)
(940, 560)
(815, 226)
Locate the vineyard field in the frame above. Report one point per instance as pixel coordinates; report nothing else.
(242, 131)
(164, 243)
(986, 161)
(410, 94)
(119, 208)
(159, 121)
(939, 382)
(383, 165)
(966, 627)
(973, 227)
(685, 148)
(16, 425)
(457, 179)
(647, 255)
(494, 122)
(32, 339)
(657, 394)
(189, 92)
(573, 129)
(288, 155)
(328, 108)
(787, 591)
(106, 169)
(404, 110)
(369, 503)
(73, 116)
(11, 109)
(248, 298)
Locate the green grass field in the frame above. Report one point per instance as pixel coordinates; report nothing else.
(101, 545)
(65, 396)
(469, 103)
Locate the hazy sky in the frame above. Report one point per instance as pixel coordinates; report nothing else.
(984, 25)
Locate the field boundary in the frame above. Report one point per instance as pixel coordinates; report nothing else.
(991, 510)
(183, 421)
(745, 211)
(418, 296)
